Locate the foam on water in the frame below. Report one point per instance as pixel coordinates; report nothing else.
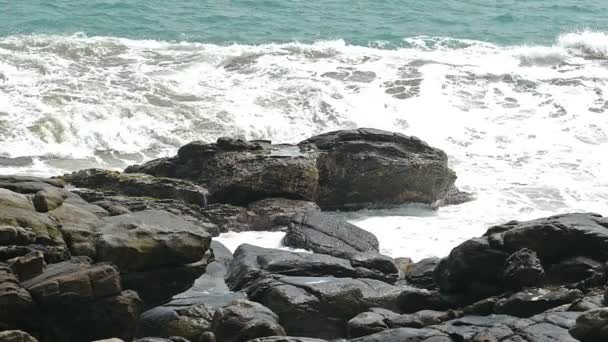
(525, 126)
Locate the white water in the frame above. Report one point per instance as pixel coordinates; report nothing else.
(526, 127)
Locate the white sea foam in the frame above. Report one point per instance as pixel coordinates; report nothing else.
(526, 127)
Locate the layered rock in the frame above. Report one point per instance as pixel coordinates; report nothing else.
(553, 240)
(349, 169)
(252, 263)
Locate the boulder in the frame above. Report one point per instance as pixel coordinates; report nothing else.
(48, 199)
(286, 339)
(251, 263)
(83, 301)
(325, 234)
(406, 334)
(366, 323)
(377, 320)
(239, 172)
(16, 336)
(553, 239)
(591, 326)
(365, 168)
(523, 269)
(533, 301)
(23, 229)
(321, 306)
(573, 269)
(413, 299)
(242, 320)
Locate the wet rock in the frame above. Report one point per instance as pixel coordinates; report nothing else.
(16, 336)
(276, 212)
(242, 320)
(365, 168)
(325, 234)
(421, 273)
(139, 185)
(286, 339)
(591, 326)
(553, 239)
(523, 269)
(18, 307)
(412, 299)
(28, 266)
(251, 263)
(48, 199)
(366, 323)
(238, 174)
(498, 327)
(572, 270)
(83, 301)
(321, 306)
(405, 334)
(533, 301)
(454, 197)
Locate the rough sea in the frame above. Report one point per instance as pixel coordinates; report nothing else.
(515, 92)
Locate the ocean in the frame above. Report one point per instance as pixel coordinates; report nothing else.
(515, 92)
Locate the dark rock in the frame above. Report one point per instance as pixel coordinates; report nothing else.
(28, 266)
(454, 197)
(469, 328)
(47, 200)
(251, 263)
(365, 168)
(242, 320)
(591, 301)
(421, 273)
(286, 339)
(523, 269)
(325, 234)
(84, 302)
(591, 326)
(366, 323)
(553, 239)
(276, 212)
(406, 334)
(16, 336)
(321, 307)
(18, 307)
(139, 185)
(572, 270)
(533, 301)
(239, 175)
(412, 299)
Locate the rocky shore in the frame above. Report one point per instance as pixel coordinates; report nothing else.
(103, 255)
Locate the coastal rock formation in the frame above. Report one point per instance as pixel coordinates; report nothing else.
(366, 167)
(553, 239)
(350, 169)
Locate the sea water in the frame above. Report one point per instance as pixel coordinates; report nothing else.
(515, 92)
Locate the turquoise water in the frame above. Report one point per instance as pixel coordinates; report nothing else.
(360, 22)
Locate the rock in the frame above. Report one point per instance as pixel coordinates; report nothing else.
(405, 334)
(242, 320)
(403, 265)
(366, 167)
(240, 175)
(454, 197)
(139, 185)
(523, 269)
(23, 230)
(325, 234)
(286, 339)
(366, 323)
(16, 336)
(28, 266)
(78, 226)
(412, 299)
(47, 200)
(421, 273)
(533, 301)
(572, 270)
(81, 301)
(591, 326)
(149, 239)
(553, 239)
(265, 215)
(18, 307)
(321, 306)
(591, 301)
(251, 263)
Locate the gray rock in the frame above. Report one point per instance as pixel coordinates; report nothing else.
(48, 199)
(591, 326)
(523, 269)
(242, 320)
(325, 234)
(16, 336)
(421, 273)
(533, 301)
